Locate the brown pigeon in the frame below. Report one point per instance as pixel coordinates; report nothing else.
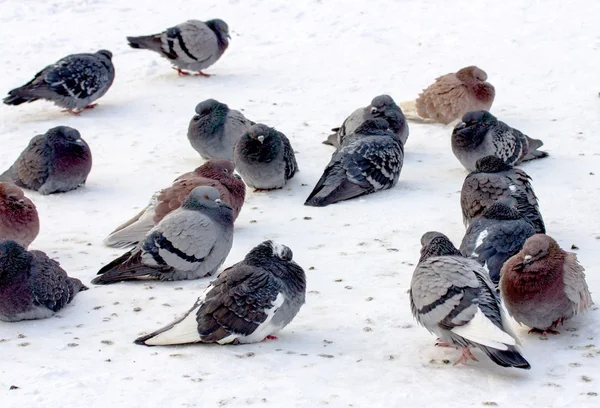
(18, 216)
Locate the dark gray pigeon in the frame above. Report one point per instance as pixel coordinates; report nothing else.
(383, 107)
(481, 134)
(454, 298)
(369, 160)
(193, 45)
(493, 180)
(32, 286)
(264, 158)
(191, 242)
(215, 129)
(55, 162)
(247, 303)
(73, 82)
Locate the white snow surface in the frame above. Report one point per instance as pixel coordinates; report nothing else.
(302, 67)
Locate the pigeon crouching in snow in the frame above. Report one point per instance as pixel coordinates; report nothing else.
(248, 302)
(454, 298)
(18, 216)
(542, 285)
(189, 243)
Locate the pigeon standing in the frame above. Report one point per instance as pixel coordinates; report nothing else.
(189, 243)
(32, 286)
(481, 134)
(247, 303)
(73, 82)
(453, 297)
(542, 286)
(55, 162)
(18, 216)
(193, 45)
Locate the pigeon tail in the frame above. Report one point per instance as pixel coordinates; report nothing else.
(409, 108)
(331, 139)
(124, 268)
(76, 286)
(7, 176)
(325, 194)
(18, 96)
(133, 231)
(182, 331)
(506, 358)
(533, 153)
(146, 42)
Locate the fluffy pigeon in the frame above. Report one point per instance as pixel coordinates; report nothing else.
(454, 298)
(32, 286)
(55, 162)
(369, 160)
(73, 82)
(481, 134)
(264, 158)
(215, 129)
(215, 173)
(542, 286)
(193, 45)
(189, 243)
(18, 216)
(247, 303)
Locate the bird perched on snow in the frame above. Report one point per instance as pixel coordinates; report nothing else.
(264, 158)
(215, 129)
(214, 173)
(542, 285)
(193, 45)
(32, 286)
(55, 162)
(247, 303)
(189, 243)
(382, 106)
(493, 180)
(18, 216)
(454, 298)
(73, 82)
(369, 160)
(481, 134)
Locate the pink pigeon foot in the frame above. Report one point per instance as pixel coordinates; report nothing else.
(200, 73)
(465, 356)
(269, 337)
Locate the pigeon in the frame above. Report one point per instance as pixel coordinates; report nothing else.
(215, 129)
(542, 286)
(369, 160)
(55, 162)
(32, 286)
(247, 303)
(382, 106)
(73, 83)
(481, 134)
(189, 243)
(193, 45)
(19, 219)
(264, 158)
(499, 233)
(493, 180)
(454, 298)
(215, 173)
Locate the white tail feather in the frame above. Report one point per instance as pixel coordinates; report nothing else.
(483, 331)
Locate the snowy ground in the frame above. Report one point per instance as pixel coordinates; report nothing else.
(302, 68)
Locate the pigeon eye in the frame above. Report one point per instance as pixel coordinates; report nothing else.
(225, 171)
(206, 196)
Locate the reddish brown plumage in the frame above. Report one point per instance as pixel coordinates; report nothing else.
(18, 216)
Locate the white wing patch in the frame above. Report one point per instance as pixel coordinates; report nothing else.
(482, 235)
(483, 331)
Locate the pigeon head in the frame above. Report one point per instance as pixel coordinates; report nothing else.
(504, 209)
(471, 73)
(216, 169)
(372, 126)
(208, 200)
(471, 132)
(105, 53)
(67, 141)
(11, 193)
(221, 29)
(435, 243)
(491, 164)
(210, 106)
(381, 103)
(14, 260)
(261, 143)
(538, 247)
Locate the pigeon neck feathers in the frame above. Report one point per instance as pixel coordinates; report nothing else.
(438, 246)
(14, 259)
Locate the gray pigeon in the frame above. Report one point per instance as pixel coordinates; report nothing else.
(382, 106)
(73, 82)
(369, 160)
(454, 298)
(247, 303)
(55, 162)
(493, 180)
(191, 242)
(32, 286)
(215, 129)
(481, 134)
(264, 158)
(193, 45)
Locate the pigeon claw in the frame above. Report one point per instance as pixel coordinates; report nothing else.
(91, 106)
(543, 332)
(200, 73)
(441, 343)
(465, 356)
(269, 337)
(180, 72)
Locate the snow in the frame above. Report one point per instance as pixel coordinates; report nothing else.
(302, 67)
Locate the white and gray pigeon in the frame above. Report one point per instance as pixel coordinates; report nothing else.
(383, 107)
(369, 160)
(193, 45)
(215, 129)
(73, 82)
(191, 242)
(32, 286)
(454, 298)
(264, 158)
(247, 303)
(481, 134)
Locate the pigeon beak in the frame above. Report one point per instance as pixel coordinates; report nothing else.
(261, 138)
(218, 201)
(460, 126)
(527, 259)
(228, 36)
(374, 110)
(237, 176)
(80, 142)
